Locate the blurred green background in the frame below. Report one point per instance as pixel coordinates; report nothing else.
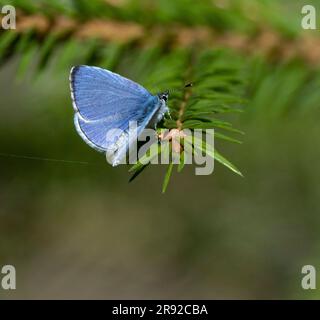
(76, 230)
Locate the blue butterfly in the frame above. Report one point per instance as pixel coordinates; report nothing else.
(104, 101)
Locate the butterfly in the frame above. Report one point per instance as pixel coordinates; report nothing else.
(105, 103)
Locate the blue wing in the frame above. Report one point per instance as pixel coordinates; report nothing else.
(103, 101)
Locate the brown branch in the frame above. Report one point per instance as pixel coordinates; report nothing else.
(266, 42)
(182, 108)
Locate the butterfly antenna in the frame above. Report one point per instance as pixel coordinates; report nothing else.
(188, 85)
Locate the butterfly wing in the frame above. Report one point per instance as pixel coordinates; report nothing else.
(104, 101)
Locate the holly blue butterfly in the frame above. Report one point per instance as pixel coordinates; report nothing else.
(105, 103)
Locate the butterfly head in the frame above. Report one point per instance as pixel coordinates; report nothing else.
(164, 96)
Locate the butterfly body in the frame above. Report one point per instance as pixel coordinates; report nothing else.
(105, 103)
(158, 116)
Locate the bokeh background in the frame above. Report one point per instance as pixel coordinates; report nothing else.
(80, 230)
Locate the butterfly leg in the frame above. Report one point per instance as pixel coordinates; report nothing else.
(167, 112)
